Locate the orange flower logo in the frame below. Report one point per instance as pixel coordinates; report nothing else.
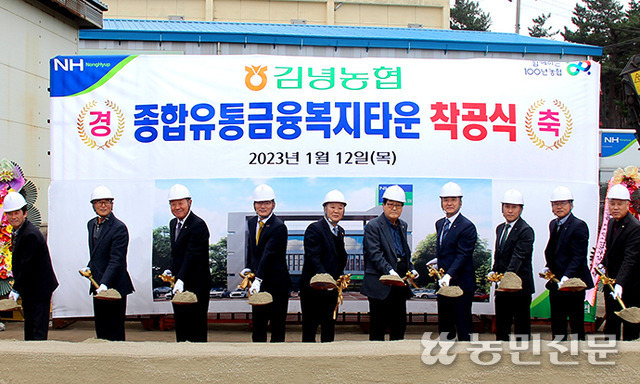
(255, 74)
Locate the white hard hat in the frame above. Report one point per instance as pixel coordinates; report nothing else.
(100, 193)
(513, 196)
(561, 194)
(395, 193)
(13, 201)
(178, 192)
(451, 189)
(263, 192)
(619, 192)
(334, 196)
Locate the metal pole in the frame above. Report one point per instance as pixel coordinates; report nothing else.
(518, 17)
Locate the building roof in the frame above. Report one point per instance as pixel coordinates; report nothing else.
(331, 36)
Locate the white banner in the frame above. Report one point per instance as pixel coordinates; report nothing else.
(306, 125)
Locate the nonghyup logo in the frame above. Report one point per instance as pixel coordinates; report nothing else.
(100, 125)
(256, 78)
(575, 69)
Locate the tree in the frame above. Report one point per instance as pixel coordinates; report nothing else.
(160, 254)
(426, 250)
(218, 263)
(467, 15)
(539, 30)
(603, 23)
(161, 258)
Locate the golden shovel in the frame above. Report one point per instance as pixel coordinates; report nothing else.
(342, 282)
(260, 298)
(7, 305)
(179, 298)
(631, 314)
(409, 278)
(445, 290)
(508, 282)
(109, 294)
(572, 285)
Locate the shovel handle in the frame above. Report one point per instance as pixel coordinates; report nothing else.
(610, 285)
(89, 276)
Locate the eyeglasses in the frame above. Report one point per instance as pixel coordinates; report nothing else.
(395, 205)
(559, 203)
(101, 202)
(263, 203)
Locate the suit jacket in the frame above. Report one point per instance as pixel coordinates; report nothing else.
(516, 253)
(622, 256)
(33, 274)
(108, 255)
(190, 254)
(455, 254)
(380, 256)
(569, 258)
(268, 258)
(321, 255)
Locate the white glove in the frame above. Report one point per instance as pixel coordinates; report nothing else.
(178, 286)
(617, 291)
(85, 269)
(255, 286)
(167, 272)
(415, 273)
(544, 271)
(562, 281)
(101, 288)
(445, 280)
(433, 262)
(14, 295)
(245, 271)
(490, 275)
(392, 272)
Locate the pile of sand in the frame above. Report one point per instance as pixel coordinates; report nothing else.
(97, 361)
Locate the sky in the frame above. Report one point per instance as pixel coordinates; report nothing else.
(503, 13)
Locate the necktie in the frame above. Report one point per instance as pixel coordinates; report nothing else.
(259, 232)
(445, 229)
(178, 228)
(335, 230)
(505, 233)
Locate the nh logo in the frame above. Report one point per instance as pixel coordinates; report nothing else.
(68, 64)
(611, 139)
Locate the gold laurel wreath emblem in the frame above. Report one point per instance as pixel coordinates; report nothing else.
(88, 140)
(537, 141)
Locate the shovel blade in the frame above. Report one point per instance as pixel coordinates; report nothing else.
(631, 314)
(8, 305)
(452, 291)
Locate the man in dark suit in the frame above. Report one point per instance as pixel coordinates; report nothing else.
(566, 257)
(387, 252)
(456, 240)
(189, 265)
(33, 275)
(108, 243)
(324, 252)
(267, 258)
(513, 253)
(622, 260)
